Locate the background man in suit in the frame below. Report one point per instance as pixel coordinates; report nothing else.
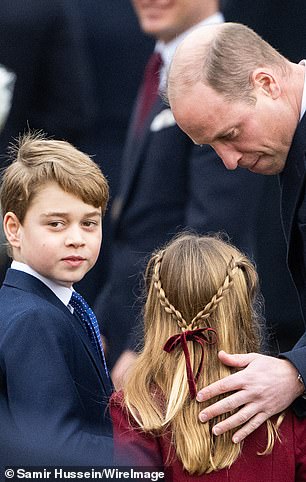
(166, 185)
(54, 384)
(252, 112)
(112, 39)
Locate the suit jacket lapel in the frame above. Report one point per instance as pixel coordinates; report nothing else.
(133, 151)
(96, 361)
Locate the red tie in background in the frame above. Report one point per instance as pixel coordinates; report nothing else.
(149, 90)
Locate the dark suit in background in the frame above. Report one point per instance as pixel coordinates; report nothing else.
(54, 389)
(280, 23)
(117, 51)
(43, 43)
(148, 210)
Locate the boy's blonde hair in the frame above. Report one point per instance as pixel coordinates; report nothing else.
(194, 282)
(37, 161)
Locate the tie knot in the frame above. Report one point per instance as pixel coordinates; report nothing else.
(77, 302)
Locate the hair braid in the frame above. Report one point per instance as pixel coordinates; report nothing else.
(211, 306)
(168, 307)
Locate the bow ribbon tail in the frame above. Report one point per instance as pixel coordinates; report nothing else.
(190, 377)
(201, 342)
(181, 339)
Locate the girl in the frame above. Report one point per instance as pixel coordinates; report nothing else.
(202, 298)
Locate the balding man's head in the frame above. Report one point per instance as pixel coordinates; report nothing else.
(223, 57)
(225, 85)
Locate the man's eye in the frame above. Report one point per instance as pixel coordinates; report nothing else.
(230, 135)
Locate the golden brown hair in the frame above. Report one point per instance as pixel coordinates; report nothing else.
(195, 281)
(36, 161)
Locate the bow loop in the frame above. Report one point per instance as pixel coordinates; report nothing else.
(200, 335)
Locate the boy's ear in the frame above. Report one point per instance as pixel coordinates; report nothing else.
(11, 227)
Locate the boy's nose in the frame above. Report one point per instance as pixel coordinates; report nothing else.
(75, 237)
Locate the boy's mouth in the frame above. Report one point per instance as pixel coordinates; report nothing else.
(74, 260)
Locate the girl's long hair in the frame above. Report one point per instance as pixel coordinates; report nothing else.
(194, 282)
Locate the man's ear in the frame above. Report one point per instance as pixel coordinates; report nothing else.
(266, 82)
(11, 227)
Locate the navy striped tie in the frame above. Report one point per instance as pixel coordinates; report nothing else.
(90, 322)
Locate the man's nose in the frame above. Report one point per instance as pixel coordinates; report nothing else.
(229, 155)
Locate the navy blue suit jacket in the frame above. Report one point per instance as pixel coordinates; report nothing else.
(53, 389)
(293, 208)
(168, 184)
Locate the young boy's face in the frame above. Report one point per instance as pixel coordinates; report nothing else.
(60, 237)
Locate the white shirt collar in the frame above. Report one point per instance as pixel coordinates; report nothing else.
(167, 49)
(303, 106)
(62, 292)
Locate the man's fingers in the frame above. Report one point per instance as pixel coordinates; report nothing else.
(249, 427)
(236, 360)
(245, 414)
(228, 384)
(227, 404)
(247, 417)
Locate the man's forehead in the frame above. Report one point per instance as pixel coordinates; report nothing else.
(202, 112)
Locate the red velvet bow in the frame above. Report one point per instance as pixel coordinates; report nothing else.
(198, 336)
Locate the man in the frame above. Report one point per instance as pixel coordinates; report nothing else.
(251, 111)
(166, 185)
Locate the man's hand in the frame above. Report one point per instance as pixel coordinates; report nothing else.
(265, 387)
(121, 368)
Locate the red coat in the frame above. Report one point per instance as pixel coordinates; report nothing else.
(286, 463)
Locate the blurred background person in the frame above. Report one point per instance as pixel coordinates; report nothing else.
(117, 51)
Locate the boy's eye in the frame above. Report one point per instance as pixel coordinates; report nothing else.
(89, 224)
(56, 224)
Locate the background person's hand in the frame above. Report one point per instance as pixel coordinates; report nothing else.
(265, 386)
(122, 367)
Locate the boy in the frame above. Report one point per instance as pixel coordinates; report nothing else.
(54, 385)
